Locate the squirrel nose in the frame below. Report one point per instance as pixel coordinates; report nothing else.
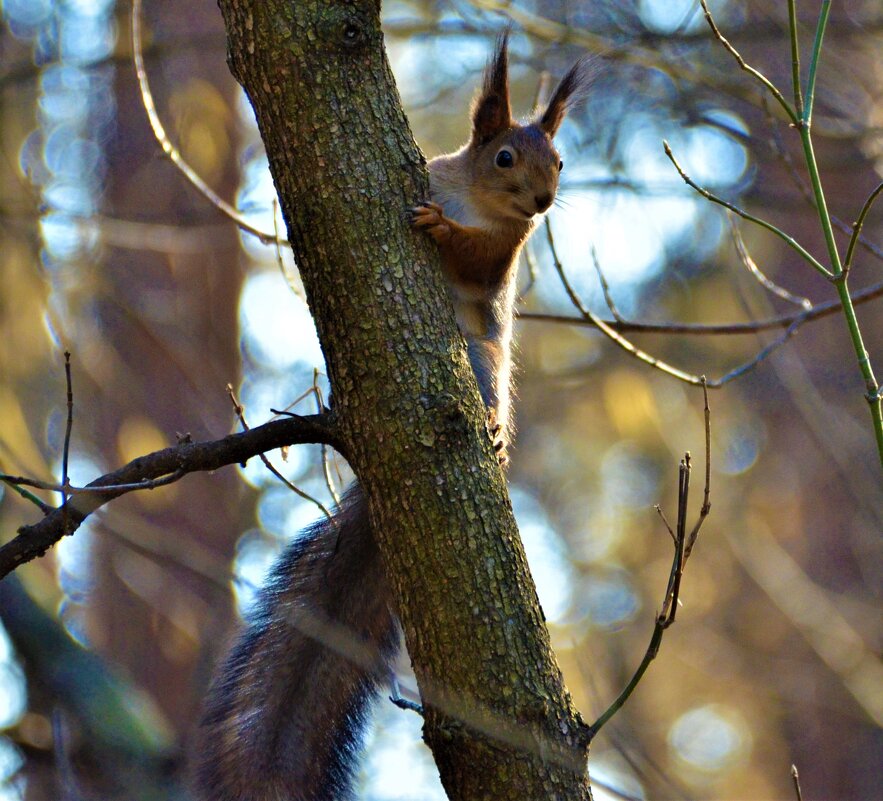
(543, 201)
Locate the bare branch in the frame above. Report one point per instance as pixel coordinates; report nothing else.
(668, 611)
(278, 241)
(795, 777)
(760, 356)
(172, 152)
(665, 522)
(65, 453)
(717, 329)
(186, 457)
(605, 288)
(67, 489)
(45, 508)
(239, 410)
(762, 279)
(531, 263)
(706, 500)
(652, 361)
(627, 346)
(814, 63)
(766, 82)
(795, 58)
(326, 468)
(670, 602)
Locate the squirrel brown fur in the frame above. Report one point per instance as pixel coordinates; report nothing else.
(285, 713)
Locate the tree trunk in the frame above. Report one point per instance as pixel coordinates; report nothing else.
(498, 718)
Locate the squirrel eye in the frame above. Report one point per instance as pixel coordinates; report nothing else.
(504, 159)
(560, 166)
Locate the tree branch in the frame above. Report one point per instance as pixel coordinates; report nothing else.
(717, 329)
(167, 465)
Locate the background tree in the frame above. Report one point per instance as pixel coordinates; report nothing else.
(779, 604)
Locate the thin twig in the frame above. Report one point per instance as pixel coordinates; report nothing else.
(400, 701)
(670, 603)
(239, 410)
(286, 273)
(608, 298)
(531, 263)
(683, 546)
(795, 58)
(814, 63)
(760, 356)
(326, 467)
(857, 228)
(766, 282)
(620, 340)
(789, 240)
(661, 623)
(65, 451)
(706, 499)
(171, 151)
(770, 86)
(795, 777)
(45, 508)
(652, 361)
(778, 147)
(661, 514)
(716, 329)
(67, 489)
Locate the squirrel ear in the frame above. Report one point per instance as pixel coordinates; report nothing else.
(491, 111)
(566, 95)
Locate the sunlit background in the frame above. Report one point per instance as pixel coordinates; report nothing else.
(107, 643)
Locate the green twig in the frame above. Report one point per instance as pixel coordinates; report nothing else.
(837, 272)
(840, 269)
(795, 58)
(789, 240)
(814, 63)
(857, 228)
(45, 508)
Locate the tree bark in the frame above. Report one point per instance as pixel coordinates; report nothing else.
(498, 718)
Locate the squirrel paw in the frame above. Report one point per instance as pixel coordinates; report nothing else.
(497, 435)
(431, 217)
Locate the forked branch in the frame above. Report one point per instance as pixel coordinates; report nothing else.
(683, 547)
(153, 470)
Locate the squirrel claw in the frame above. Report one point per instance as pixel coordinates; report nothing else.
(495, 432)
(431, 217)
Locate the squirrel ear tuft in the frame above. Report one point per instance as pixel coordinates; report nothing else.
(569, 92)
(491, 111)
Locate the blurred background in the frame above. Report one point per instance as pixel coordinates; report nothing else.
(107, 643)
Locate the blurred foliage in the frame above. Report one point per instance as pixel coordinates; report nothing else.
(108, 252)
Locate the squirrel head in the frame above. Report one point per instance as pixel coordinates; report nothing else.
(516, 167)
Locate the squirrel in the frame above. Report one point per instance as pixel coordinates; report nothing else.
(286, 711)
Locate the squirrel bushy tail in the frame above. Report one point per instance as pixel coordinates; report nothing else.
(286, 713)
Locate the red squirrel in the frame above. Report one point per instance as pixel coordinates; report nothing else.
(485, 203)
(285, 713)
